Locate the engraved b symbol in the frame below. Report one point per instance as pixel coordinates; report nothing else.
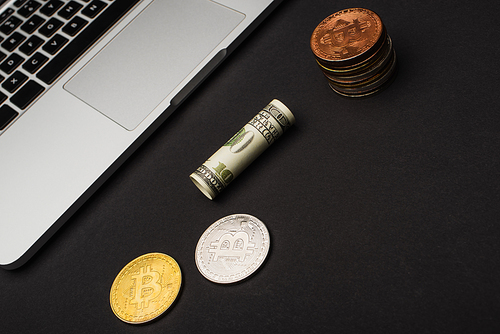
(147, 287)
(232, 245)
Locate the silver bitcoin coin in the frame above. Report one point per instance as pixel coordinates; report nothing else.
(232, 248)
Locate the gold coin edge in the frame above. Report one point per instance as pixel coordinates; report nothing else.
(119, 277)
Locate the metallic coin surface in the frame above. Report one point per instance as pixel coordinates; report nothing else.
(232, 248)
(347, 37)
(145, 288)
(366, 72)
(378, 89)
(373, 83)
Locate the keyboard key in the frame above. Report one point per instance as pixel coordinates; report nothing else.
(12, 23)
(55, 44)
(54, 68)
(14, 81)
(2, 55)
(35, 62)
(19, 3)
(32, 24)
(3, 97)
(31, 45)
(94, 8)
(50, 27)
(7, 115)
(11, 63)
(6, 14)
(29, 8)
(69, 10)
(74, 26)
(27, 94)
(13, 41)
(51, 7)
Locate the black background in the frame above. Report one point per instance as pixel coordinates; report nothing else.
(383, 212)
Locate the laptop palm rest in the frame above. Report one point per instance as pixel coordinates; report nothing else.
(136, 71)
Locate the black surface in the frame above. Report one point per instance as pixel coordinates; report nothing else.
(383, 212)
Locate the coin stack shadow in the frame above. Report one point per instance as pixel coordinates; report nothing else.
(354, 52)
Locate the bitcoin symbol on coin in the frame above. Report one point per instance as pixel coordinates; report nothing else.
(146, 288)
(232, 248)
(232, 245)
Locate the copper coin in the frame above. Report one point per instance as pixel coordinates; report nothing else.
(383, 80)
(347, 37)
(373, 82)
(368, 58)
(368, 72)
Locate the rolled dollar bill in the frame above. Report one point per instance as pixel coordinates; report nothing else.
(244, 147)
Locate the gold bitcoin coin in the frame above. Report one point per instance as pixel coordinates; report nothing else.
(145, 288)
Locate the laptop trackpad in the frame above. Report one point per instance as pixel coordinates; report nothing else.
(150, 57)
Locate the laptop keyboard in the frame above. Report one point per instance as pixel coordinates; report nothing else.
(40, 40)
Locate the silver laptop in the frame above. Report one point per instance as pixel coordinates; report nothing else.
(83, 83)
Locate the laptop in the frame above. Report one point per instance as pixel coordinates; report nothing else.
(82, 85)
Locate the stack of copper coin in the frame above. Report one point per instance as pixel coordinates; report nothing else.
(354, 52)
